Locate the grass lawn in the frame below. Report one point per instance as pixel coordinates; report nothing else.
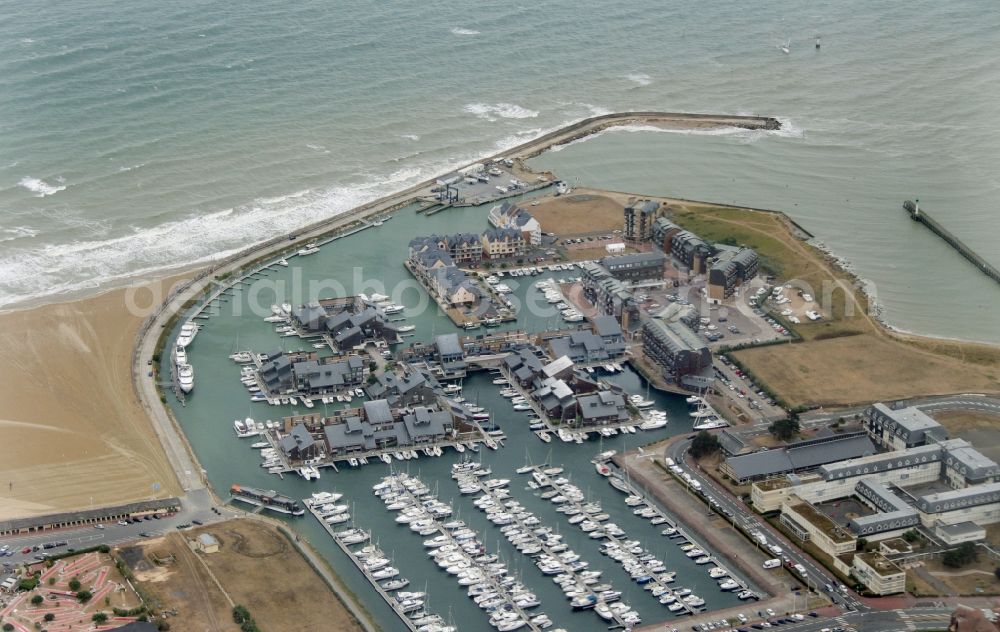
(849, 358)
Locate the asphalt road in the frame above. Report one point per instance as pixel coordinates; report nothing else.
(197, 505)
(816, 576)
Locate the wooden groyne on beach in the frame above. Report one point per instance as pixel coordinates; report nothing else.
(919, 215)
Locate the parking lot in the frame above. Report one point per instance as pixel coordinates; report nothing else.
(744, 392)
(480, 186)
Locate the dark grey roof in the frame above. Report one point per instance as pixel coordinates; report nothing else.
(676, 336)
(650, 206)
(311, 315)
(378, 411)
(607, 326)
(602, 405)
(137, 626)
(883, 462)
(800, 456)
(634, 259)
(960, 529)
(88, 514)
(448, 345)
(299, 438)
(956, 499)
(970, 462)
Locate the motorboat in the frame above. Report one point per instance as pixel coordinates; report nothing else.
(185, 377)
(188, 331)
(310, 248)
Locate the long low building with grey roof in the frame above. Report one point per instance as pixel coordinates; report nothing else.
(923, 479)
(798, 457)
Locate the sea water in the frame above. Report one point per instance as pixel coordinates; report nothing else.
(141, 136)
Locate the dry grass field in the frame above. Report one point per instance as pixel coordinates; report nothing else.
(202, 588)
(582, 211)
(861, 369)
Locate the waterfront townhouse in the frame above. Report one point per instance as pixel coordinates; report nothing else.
(609, 295)
(454, 286)
(450, 356)
(732, 268)
(636, 267)
(508, 215)
(502, 243)
(677, 351)
(690, 250)
(464, 248)
(586, 347)
(602, 408)
(350, 322)
(410, 385)
(305, 373)
(524, 365)
(377, 426)
(299, 444)
(663, 233)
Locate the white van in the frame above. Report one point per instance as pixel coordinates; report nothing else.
(668, 461)
(774, 548)
(772, 563)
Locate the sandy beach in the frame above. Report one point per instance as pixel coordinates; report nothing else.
(74, 435)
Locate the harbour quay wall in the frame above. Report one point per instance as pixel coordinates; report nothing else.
(164, 315)
(919, 215)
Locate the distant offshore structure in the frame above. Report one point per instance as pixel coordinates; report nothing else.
(919, 215)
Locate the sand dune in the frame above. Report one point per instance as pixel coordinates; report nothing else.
(73, 434)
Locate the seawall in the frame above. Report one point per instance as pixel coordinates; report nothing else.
(919, 215)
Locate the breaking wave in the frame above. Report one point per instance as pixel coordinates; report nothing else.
(40, 187)
(491, 111)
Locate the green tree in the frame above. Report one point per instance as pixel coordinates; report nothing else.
(966, 553)
(99, 617)
(704, 444)
(911, 536)
(50, 616)
(37, 600)
(861, 544)
(84, 595)
(27, 584)
(7, 627)
(74, 584)
(785, 429)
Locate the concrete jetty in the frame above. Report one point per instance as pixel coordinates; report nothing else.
(383, 593)
(917, 214)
